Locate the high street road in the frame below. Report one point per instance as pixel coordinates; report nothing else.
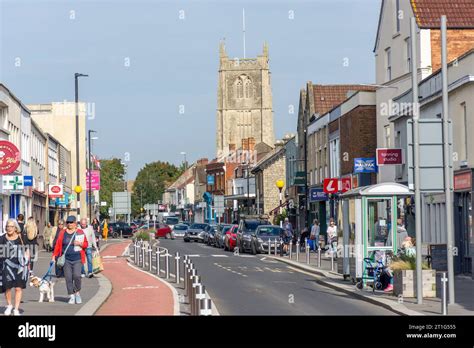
(255, 285)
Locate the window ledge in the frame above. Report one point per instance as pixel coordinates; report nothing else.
(395, 35)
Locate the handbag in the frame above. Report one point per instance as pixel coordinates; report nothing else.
(62, 259)
(97, 265)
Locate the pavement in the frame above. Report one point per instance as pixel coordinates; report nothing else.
(92, 288)
(258, 285)
(464, 287)
(134, 292)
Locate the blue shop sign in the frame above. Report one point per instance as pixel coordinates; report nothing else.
(63, 201)
(210, 179)
(28, 180)
(317, 194)
(365, 165)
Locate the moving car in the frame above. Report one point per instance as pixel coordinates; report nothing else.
(230, 241)
(180, 230)
(247, 227)
(195, 232)
(263, 234)
(163, 231)
(219, 236)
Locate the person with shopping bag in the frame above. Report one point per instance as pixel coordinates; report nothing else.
(314, 236)
(90, 236)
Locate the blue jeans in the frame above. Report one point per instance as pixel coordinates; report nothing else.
(89, 261)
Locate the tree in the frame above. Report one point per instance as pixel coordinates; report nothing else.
(111, 180)
(151, 182)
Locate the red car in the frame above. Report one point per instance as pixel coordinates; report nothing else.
(230, 241)
(163, 231)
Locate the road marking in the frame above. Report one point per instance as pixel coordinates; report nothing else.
(196, 255)
(109, 257)
(240, 255)
(219, 255)
(140, 287)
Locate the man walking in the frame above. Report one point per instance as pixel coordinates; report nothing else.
(288, 234)
(90, 236)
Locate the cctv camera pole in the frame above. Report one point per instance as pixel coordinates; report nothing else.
(447, 156)
(416, 160)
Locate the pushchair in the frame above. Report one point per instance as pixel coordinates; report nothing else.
(371, 274)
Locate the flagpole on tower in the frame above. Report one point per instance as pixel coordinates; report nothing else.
(243, 27)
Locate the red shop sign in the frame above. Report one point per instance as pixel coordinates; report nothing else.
(463, 181)
(389, 156)
(9, 157)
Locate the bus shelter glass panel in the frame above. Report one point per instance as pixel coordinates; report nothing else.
(380, 220)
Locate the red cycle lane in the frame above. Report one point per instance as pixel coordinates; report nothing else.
(133, 292)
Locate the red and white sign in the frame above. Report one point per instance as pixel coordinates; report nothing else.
(95, 180)
(331, 185)
(463, 181)
(10, 157)
(55, 191)
(346, 184)
(389, 156)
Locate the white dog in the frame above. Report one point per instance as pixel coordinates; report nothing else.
(45, 287)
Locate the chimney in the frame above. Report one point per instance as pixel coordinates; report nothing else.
(202, 161)
(248, 144)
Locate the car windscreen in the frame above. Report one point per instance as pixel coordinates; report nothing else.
(269, 231)
(172, 221)
(198, 226)
(180, 228)
(251, 226)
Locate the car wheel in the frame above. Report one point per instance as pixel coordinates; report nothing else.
(186, 240)
(168, 236)
(254, 249)
(241, 248)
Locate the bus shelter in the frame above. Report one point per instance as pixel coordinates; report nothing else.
(369, 228)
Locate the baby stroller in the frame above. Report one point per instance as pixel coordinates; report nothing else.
(371, 274)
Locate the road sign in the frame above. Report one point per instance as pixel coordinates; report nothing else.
(317, 194)
(389, 156)
(103, 204)
(219, 204)
(122, 202)
(346, 184)
(365, 165)
(331, 185)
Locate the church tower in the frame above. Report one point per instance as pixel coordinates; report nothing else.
(244, 102)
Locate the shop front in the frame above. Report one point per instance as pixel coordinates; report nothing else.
(463, 225)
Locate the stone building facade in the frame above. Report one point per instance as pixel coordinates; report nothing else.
(244, 102)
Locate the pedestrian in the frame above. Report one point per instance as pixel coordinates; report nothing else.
(314, 235)
(332, 237)
(105, 230)
(402, 234)
(90, 236)
(47, 237)
(96, 225)
(13, 265)
(288, 235)
(71, 243)
(21, 221)
(30, 237)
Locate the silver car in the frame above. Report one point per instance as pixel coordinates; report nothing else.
(180, 230)
(196, 232)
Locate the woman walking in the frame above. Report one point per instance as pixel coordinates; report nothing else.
(13, 266)
(70, 248)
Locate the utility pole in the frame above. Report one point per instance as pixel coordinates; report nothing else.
(447, 166)
(89, 173)
(416, 160)
(78, 176)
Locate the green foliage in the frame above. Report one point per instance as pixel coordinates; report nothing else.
(143, 235)
(280, 217)
(151, 182)
(111, 180)
(406, 262)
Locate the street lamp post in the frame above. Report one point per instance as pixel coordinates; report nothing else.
(89, 172)
(185, 162)
(280, 185)
(78, 176)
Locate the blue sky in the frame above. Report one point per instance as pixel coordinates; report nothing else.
(174, 61)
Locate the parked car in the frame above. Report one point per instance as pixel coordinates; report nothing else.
(209, 234)
(171, 221)
(264, 233)
(247, 227)
(187, 223)
(117, 229)
(195, 232)
(230, 240)
(180, 230)
(219, 236)
(164, 231)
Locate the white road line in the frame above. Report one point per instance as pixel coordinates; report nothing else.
(194, 255)
(219, 255)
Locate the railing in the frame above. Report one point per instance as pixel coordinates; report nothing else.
(149, 258)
